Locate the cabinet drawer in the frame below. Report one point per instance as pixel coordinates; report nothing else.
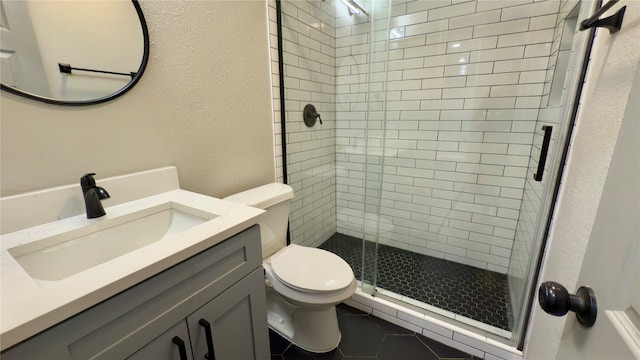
(115, 328)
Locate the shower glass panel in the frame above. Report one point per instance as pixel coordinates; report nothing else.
(421, 175)
(361, 99)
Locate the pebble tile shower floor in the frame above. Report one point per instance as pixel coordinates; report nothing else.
(475, 293)
(368, 337)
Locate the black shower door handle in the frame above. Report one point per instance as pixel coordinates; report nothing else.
(543, 152)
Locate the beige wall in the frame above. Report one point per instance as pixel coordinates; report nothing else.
(203, 105)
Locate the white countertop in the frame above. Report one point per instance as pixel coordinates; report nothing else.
(29, 306)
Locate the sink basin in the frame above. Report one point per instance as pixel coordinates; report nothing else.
(62, 255)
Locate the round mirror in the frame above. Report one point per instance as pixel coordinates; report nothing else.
(72, 52)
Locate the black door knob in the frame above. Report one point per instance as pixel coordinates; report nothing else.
(556, 300)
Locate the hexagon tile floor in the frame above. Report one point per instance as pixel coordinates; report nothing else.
(475, 293)
(368, 337)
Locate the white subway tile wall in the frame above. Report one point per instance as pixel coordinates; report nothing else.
(463, 96)
(309, 46)
(435, 135)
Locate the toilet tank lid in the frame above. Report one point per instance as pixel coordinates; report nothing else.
(263, 196)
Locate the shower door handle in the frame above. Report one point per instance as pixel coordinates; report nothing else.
(543, 152)
(554, 299)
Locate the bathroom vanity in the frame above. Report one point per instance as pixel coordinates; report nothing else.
(198, 291)
(223, 286)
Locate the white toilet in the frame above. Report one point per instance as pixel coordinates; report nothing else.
(303, 284)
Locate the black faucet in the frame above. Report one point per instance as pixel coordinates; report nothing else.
(92, 196)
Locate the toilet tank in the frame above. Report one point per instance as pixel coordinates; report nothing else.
(275, 199)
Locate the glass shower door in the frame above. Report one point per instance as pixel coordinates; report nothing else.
(373, 91)
(450, 183)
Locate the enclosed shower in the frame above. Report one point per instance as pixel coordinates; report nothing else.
(434, 161)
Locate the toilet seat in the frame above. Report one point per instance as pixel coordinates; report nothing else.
(311, 270)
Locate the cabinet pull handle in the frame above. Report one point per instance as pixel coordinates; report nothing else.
(543, 152)
(207, 330)
(181, 347)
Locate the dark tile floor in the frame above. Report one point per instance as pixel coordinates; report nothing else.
(368, 337)
(475, 293)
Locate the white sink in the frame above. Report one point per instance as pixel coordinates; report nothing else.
(62, 255)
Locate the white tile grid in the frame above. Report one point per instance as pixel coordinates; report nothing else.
(432, 327)
(476, 76)
(309, 54)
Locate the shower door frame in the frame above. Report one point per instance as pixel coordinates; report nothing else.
(558, 166)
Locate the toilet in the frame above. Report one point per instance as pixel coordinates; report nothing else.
(303, 284)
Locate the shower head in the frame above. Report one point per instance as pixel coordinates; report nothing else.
(354, 7)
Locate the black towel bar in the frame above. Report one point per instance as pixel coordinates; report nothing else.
(66, 68)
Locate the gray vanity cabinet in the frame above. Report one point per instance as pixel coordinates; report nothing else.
(222, 285)
(229, 317)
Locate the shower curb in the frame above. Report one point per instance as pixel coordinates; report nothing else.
(433, 328)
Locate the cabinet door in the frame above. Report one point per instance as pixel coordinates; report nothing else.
(167, 346)
(237, 321)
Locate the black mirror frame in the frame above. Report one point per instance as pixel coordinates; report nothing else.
(143, 65)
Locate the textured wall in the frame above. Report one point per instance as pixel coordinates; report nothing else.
(203, 105)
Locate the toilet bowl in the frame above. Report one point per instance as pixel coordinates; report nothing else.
(303, 284)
